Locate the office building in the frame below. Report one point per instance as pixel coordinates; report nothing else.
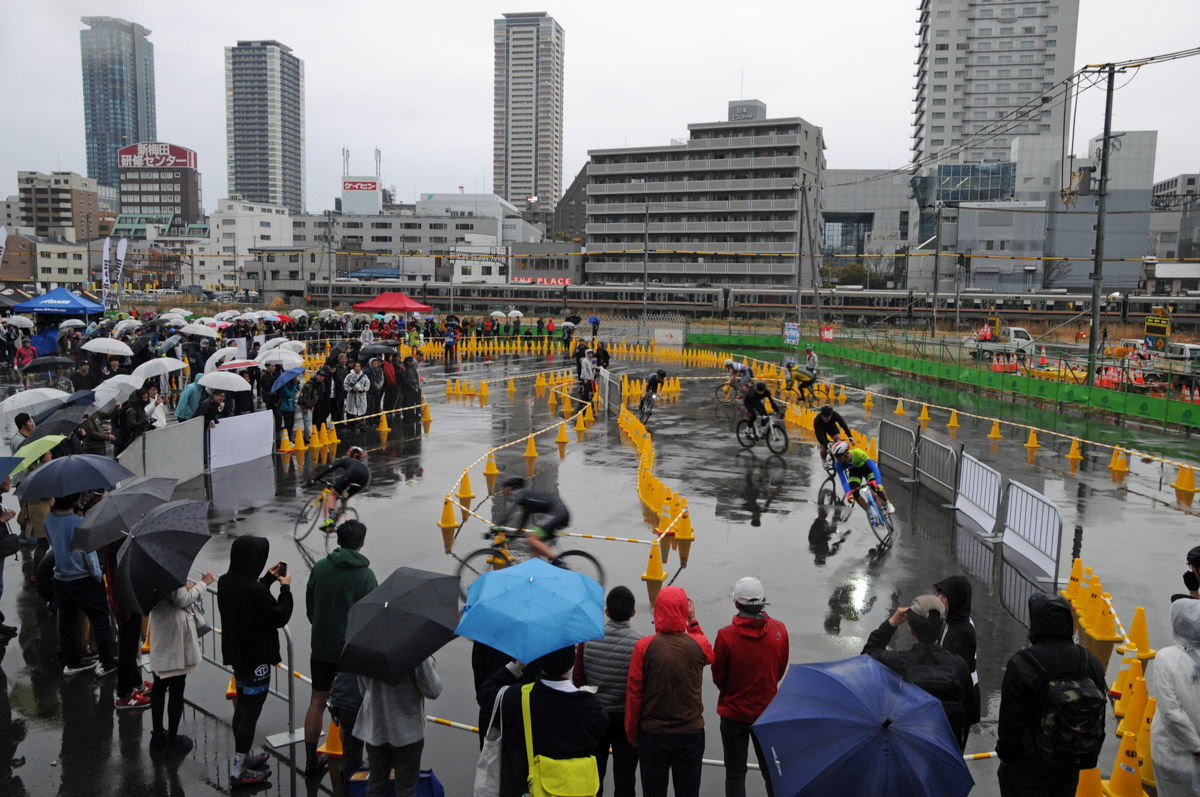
(723, 206)
(264, 124)
(570, 217)
(1170, 198)
(118, 92)
(12, 213)
(527, 140)
(987, 72)
(158, 178)
(865, 215)
(59, 205)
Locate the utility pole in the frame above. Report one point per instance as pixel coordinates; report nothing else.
(937, 260)
(799, 247)
(1101, 202)
(329, 252)
(812, 256)
(91, 274)
(645, 263)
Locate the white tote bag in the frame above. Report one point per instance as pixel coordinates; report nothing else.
(487, 770)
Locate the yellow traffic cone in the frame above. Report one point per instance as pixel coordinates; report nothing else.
(332, 746)
(285, 446)
(1032, 442)
(588, 415)
(383, 424)
(953, 419)
(995, 433)
(483, 390)
(448, 524)
(1122, 683)
(899, 408)
(1103, 635)
(924, 416)
(1126, 779)
(1089, 783)
(231, 689)
(1139, 636)
(1122, 704)
(146, 642)
(1143, 744)
(1185, 482)
(1134, 709)
(562, 434)
(490, 471)
(654, 575)
(425, 415)
(530, 448)
(299, 433)
(1074, 454)
(868, 403)
(465, 493)
(1072, 588)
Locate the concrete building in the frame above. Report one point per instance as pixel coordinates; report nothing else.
(989, 71)
(550, 263)
(527, 140)
(12, 213)
(61, 262)
(362, 196)
(717, 203)
(215, 255)
(570, 217)
(865, 218)
(157, 177)
(1170, 198)
(17, 265)
(514, 229)
(57, 205)
(118, 92)
(264, 124)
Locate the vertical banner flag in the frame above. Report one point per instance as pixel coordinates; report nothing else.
(3, 238)
(104, 273)
(122, 245)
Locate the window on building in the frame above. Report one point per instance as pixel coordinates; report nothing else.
(274, 274)
(293, 258)
(265, 224)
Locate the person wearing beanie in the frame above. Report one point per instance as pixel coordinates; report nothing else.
(939, 672)
(749, 660)
(567, 722)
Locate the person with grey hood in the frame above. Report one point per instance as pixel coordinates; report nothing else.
(958, 636)
(1175, 730)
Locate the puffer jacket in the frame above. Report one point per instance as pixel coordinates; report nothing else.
(604, 664)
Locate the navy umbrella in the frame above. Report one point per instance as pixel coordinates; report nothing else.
(64, 421)
(72, 474)
(120, 510)
(856, 727)
(285, 377)
(160, 551)
(80, 398)
(8, 465)
(402, 622)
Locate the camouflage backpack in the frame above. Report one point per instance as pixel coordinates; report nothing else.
(1069, 727)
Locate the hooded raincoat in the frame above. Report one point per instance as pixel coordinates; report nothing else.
(250, 615)
(958, 635)
(1175, 731)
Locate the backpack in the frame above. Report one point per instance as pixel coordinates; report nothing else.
(1069, 728)
(941, 679)
(557, 777)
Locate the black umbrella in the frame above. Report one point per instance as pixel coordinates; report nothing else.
(406, 619)
(72, 474)
(159, 553)
(82, 398)
(452, 319)
(120, 510)
(48, 364)
(376, 348)
(573, 319)
(167, 345)
(141, 343)
(64, 421)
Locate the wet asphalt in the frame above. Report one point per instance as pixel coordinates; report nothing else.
(754, 514)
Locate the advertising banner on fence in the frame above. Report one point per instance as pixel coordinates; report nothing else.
(827, 334)
(791, 334)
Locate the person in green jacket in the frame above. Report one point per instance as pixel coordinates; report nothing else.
(337, 582)
(189, 399)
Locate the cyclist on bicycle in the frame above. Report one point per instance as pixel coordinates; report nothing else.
(797, 379)
(534, 502)
(852, 466)
(740, 375)
(653, 383)
(353, 479)
(755, 404)
(827, 428)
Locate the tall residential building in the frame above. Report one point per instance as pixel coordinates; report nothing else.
(118, 92)
(978, 63)
(527, 141)
(60, 205)
(722, 207)
(264, 123)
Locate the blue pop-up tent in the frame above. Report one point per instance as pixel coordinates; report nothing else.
(59, 301)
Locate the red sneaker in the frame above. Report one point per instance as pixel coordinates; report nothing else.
(134, 701)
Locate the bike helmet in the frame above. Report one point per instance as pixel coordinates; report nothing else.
(356, 452)
(728, 362)
(512, 483)
(662, 374)
(826, 409)
(839, 448)
(760, 386)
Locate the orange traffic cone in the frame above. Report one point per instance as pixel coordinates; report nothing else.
(332, 746)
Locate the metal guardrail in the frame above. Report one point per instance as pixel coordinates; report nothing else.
(898, 447)
(1033, 527)
(937, 465)
(979, 492)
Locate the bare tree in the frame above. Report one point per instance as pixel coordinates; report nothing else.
(1054, 272)
(881, 268)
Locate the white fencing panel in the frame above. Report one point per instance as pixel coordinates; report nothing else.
(937, 463)
(133, 457)
(668, 336)
(176, 451)
(1033, 527)
(978, 492)
(898, 446)
(243, 485)
(241, 439)
(609, 385)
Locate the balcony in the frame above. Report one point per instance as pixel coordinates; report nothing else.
(638, 208)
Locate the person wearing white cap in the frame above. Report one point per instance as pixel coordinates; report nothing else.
(749, 659)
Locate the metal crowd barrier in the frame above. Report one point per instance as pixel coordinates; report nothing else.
(1033, 527)
(937, 465)
(898, 446)
(979, 490)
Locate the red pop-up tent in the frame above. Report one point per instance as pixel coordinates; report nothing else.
(392, 303)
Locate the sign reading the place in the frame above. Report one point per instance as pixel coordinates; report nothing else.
(544, 280)
(156, 155)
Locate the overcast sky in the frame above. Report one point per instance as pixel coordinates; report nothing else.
(415, 79)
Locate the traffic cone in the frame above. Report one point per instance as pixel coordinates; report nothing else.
(448, 524)
(654, 575)
(1143, 744)
(1119, 463)
(326, 438)
(531, 448)
(868, 403)
(588, 415)
(899, 408)
(285, 447)
(231, 689)
(995, 433)
(1126, 779)
(553, 401)
(483, 390)
(873, 449)
(1043, 360)
(1074, 454)
(1032, 442)
(561, 438)
(924, 416)
(953, 419)
(1139, 636)
(465, 493)
(332, 746)
(580, 426)
(299, 435)
(491, 472)
(511, 385)
(425, 415)
(146, 642)
(1134, 709)
(1089, 783)
(1135, 672)
(1185, 482)
(1089, 607)
(1117, 690)
(1103, 634)
(1072, 588)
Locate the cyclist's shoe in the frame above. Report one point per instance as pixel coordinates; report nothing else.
(249, 777)
(558, 562)
(316, 766)
(891, 508)
(328, 525)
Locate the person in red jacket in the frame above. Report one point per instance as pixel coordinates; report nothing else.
(664, 709)
(750, 658)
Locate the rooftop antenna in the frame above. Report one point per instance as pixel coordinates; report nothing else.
(345, 161)
(742, 86)
(378, 162)
(460, 190)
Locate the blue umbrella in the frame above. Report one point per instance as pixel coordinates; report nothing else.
(285, 377)
(532, 609)
(855, 727)
(73, 474)
(8, 465)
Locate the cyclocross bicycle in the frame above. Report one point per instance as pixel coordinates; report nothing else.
(646, 407)
(881, 522)
(314, 514)
(749, 431)
(498, 556)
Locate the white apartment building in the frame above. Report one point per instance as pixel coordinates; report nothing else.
(978, 63)
(527, 139)
(235, 228)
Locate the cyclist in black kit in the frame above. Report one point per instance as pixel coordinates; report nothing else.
(353, 479)
(654, 382)
(755, 404)
(534, 502)
(825, 427)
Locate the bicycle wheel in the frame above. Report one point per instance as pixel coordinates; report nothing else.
(777, 439)
(724, 393)
(645, 409)
(745, 433)
(348, 513)
(311, 515)
(475, 564)
(583, 562)
(827, 493)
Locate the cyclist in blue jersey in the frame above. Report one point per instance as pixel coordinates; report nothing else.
(853, 466)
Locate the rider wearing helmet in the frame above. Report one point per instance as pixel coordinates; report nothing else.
(755, 403)
(740, 374)
(653, 383)
(796, 379)
(527, 503)
(353, 479)
(852, 466)
(828, 426)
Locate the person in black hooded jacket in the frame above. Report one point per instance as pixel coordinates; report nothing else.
(251, 617)
(1022, 771)
(958, 635)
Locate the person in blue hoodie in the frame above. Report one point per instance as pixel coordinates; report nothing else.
(189, 399)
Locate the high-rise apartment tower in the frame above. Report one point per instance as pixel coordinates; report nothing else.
(118, 92)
